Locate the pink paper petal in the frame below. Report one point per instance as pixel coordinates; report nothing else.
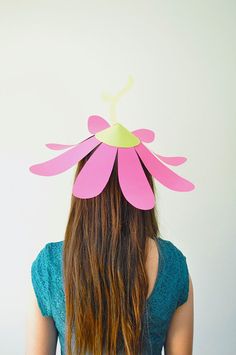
(162, 173)
(171, 160)
(65, 160)
(145, 135)
(95, 174)
(97, 124)
(55, 146)
(133, 181)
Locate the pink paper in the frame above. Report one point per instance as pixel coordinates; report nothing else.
(66, 160)
(133, 181)
(95, 174)
(162, 173)
(145, 135)
(171, 160)
(96, 124)
(56, 146)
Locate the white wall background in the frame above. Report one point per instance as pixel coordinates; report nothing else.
(56, 58)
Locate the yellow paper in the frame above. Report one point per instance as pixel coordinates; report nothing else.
(117, 136)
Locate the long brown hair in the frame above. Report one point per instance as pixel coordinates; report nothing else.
(105, 280)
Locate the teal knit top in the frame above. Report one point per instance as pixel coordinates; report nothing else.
(169, 292)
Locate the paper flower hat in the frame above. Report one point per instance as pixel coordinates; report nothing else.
(111, 141)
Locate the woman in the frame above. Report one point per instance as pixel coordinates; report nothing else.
(114, 285)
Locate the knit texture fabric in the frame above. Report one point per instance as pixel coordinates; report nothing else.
(170, 291)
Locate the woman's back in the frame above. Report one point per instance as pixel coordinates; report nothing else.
(168, 277)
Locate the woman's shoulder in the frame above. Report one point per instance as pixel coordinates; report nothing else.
(48, 256)
(54, 247)
(51, 252)
(176, 264)
(171, 247)
(173, 258)
(45, 274)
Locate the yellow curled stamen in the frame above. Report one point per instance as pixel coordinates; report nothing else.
(114, 99)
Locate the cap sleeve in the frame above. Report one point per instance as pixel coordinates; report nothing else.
(183, 279)
(40, 281)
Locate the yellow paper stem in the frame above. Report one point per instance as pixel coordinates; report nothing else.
(114, 99)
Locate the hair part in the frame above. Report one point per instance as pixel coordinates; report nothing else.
(105, 280)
